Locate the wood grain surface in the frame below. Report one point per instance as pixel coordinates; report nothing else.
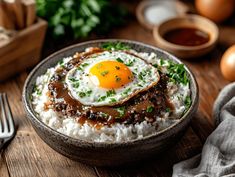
(27, 155)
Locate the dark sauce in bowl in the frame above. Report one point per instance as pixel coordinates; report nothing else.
(187, 36)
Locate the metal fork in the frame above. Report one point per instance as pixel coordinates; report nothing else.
(7, 126)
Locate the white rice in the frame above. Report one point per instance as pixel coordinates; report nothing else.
(117, 132)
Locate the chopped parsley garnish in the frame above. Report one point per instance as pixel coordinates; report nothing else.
(150, 109)
(187, 102)
(76, 85)
(117, 78)
(110, 93)
(102, 98)
(88, 93)
(61, 63)
(112, 100)
(37, 90)
(82, 94)
(115, 46)
(84, 64)
(121, 111)
(104, 115)
(104, 73)
(162, 62)
(117, 67)
(72, 79)
(168, 109)
(130, 63)
(140, 76)
(79, 68)
(120, 60)
(177, 73)
(127, 91)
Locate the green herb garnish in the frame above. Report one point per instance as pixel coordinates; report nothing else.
(150, 109)
(72, 79)
(79, 18)
(76, 85)
(177, 73)
(102, 98)
(82, 94)
(187, 102)
(115, 46)
(110, 93)
(168, 109)
(112, 100)
(119, 60)
(121, 111)
(37, 90)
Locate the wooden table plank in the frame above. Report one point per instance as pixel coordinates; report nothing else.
(3, 166)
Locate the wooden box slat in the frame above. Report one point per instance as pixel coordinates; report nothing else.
(23, 51)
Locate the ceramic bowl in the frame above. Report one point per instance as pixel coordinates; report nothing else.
(106, 154)
(194, 21)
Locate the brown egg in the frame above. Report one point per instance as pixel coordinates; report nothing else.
(227, 64)
(216, 10)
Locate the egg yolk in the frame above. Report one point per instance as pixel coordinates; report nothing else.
(110, 74)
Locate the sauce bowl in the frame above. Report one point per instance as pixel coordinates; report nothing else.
(113, 153)
(188, 21)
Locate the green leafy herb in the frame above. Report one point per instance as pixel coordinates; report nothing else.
(119, 60)
(127, 91)
(82, 94)
(187, 102)
(80, 17)
(88, 93)
(150, 109)
(121, 111)
(168, 109)
(104, 73)
(115, 46)
(72, 79)
(84, 64)
(76, 85)
(110, 93)
(37, 90)
(177, 73)
(112, 100)
(162, 62)
(102, 98)
(130, 63)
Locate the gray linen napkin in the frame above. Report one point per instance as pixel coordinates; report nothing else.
(218, 154)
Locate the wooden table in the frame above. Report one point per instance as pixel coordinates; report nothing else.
(27, 155)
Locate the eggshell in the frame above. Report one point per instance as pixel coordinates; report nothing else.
(227, 64)
(216, 10)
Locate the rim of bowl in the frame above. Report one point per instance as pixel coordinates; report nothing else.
(89, 143)
(212, 41)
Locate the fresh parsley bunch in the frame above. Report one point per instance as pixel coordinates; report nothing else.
(80, 17)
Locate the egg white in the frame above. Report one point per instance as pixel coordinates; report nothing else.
(83, 89)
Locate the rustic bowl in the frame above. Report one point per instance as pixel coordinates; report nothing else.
(181, 51)
(106, 154)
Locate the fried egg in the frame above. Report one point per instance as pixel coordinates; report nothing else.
(109, 78)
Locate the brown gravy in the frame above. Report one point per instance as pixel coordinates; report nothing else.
(187, 36)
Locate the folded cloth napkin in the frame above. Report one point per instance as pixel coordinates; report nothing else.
(218, 154)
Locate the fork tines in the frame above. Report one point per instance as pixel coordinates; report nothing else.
(7, 127)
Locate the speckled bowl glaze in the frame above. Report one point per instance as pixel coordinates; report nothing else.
(107, 154)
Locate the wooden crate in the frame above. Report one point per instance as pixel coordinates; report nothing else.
(23, 51)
